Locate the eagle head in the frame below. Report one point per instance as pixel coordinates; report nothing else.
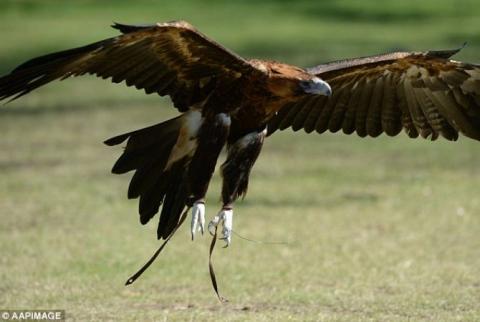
(288, 81)
(315, 86)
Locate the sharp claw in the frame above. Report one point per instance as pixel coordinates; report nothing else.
(228, 241)
(226, 217)
(198, 217)
(214, 223)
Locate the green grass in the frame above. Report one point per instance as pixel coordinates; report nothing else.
(375, 229)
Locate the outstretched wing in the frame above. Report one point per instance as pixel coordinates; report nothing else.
(425, 94)
(166, 58)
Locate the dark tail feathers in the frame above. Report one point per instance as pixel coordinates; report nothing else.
(147, 152)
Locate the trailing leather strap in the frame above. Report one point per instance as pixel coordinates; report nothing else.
(212, 272)
(134, 277)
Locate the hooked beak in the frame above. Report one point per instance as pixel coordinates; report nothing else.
(316, 86)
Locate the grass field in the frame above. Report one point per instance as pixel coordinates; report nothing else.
(384, 229)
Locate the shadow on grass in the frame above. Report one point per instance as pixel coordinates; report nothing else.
(331, 10)
(343, 12)
(79, 107)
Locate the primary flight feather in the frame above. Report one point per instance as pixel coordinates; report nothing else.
(228, 101)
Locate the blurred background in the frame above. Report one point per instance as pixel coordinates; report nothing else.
(373, 229)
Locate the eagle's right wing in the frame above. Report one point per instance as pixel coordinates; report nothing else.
(166, 58)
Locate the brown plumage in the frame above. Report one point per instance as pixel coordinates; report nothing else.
(226, 100)
(424, 93)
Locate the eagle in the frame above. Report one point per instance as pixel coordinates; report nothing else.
(229, 102)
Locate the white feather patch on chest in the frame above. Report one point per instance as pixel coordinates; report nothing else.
(187, 138)
(248, 139)
(224, 119)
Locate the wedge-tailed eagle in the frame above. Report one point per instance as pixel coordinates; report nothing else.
(227, 101)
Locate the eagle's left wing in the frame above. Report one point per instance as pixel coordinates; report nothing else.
(425, 94)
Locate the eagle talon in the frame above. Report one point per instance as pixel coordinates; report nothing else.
(226, 218)
(214, 223)
(227, 226)
(198, 218)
